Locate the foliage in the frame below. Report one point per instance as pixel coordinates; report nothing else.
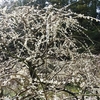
(39, 55)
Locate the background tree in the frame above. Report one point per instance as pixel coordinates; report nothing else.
(88, 8)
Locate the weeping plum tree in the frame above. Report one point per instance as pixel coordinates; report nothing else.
(40, 57)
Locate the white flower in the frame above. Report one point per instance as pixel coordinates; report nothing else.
(56, 98)
(5, 82)
(55, 82)
(82, 84)
(12, 76)
(6, 98)
(41, 80)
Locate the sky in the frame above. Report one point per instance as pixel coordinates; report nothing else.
(1, 1)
